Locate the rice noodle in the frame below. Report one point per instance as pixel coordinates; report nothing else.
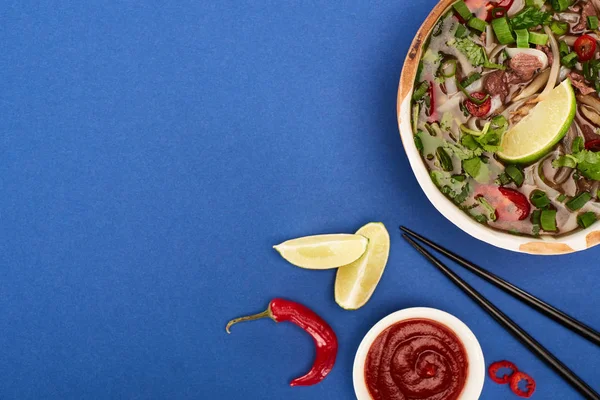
(497, 50)
(590, 114)
(555, 65)
(570, 40)
(489, 37)
(451, 87)
(534, 86)
(472, 124)
(572, 18)
(516, 7)
(564, 72)
(590, 101)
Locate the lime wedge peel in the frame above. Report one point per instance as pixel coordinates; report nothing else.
(536, 134)
(323, 251)
(356, 282)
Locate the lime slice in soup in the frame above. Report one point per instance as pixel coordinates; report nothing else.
(548, 122)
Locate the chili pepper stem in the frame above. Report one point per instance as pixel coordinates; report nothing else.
(264, 314)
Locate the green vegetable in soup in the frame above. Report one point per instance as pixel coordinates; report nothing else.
(529, 18)
(474, 52)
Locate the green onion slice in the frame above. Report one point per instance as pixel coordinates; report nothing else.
(538, 38)
(503, 30)
(444, 159)
(586, 220)
(577, 203)
(522, 38)
(477, 24)
(462, 10)
(548, 220)
(559, 28)
(539, 199)
(421, 90)
(515, 174)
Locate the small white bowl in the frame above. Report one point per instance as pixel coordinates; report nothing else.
(476, 374)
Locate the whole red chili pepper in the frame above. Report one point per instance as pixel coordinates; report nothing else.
(326, 343)
(517, 377)
(497, 366)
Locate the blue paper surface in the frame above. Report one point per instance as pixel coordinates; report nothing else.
(153, 152)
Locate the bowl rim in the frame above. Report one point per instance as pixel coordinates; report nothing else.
(476, 375)
(546, 245)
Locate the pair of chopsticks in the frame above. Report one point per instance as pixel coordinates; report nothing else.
(533, 345)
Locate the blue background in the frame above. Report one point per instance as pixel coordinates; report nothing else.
(153, 152)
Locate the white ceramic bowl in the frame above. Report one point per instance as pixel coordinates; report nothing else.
(577, 241)
(476, 375)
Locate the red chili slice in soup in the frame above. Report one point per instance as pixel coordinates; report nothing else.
(510, 205)
(479, 110)
(483, 8)
(585, 47)
(593, 145)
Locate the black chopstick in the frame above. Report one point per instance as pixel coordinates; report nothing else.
(527, 298)
(533, 345)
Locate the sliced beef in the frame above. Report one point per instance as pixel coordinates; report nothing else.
(496, 85)
(579, 82)
(588, 9)
(548, 51)
(525, 66)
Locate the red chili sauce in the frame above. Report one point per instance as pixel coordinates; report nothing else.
(416, 359)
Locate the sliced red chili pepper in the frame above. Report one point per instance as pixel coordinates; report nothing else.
(523, 208)
(510, 204)
(479, 110)
(497, 366)
(516, 379)
(585, 47)
(324, 337)
(432, 115)
(593, 145)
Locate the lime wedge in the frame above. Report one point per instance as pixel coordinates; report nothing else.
(323, 251)
(548, 122)
(356, 282)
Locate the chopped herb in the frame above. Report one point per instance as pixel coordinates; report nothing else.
(488, 207)
(561, 198)
(530, 17)
(472, 166)
(459, 178)
(474, 52)
(482, 219)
